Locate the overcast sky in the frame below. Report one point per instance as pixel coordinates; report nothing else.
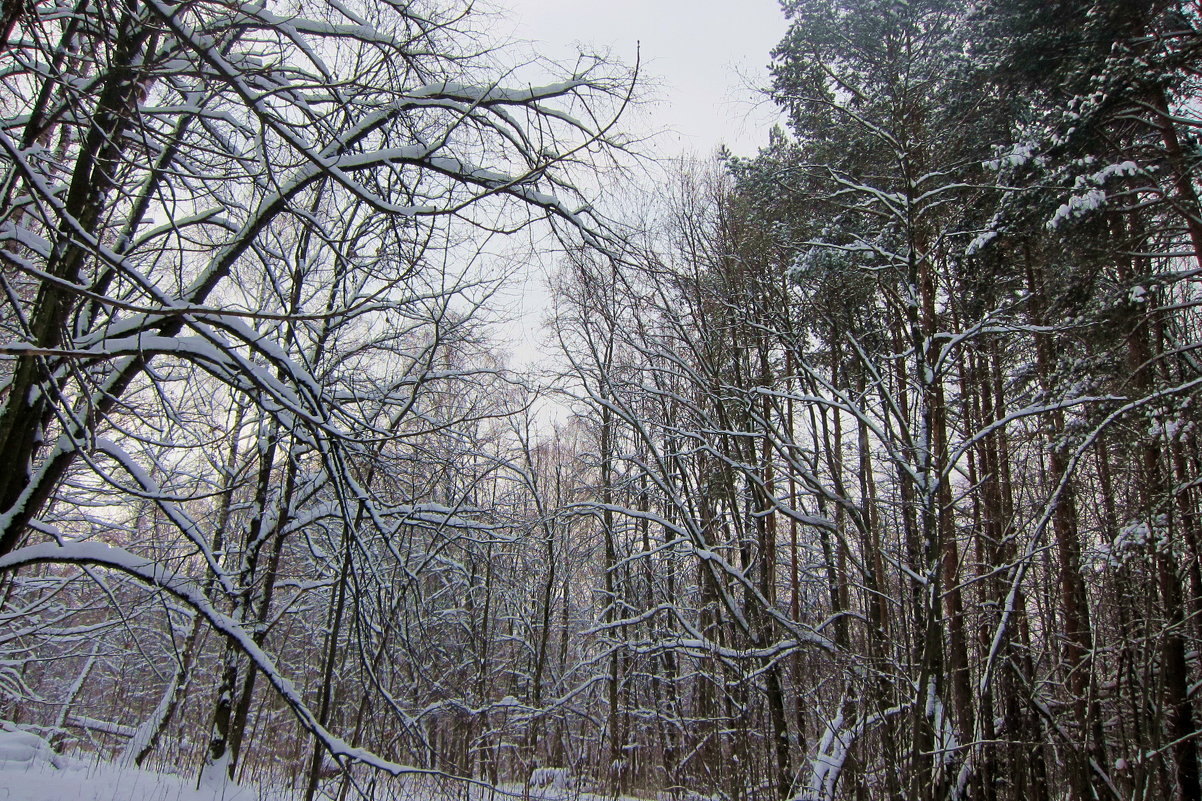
(700, 63)
(700, 55)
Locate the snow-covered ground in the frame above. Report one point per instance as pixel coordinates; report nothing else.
(31, 771)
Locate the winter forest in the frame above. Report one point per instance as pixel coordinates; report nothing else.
(866, 466)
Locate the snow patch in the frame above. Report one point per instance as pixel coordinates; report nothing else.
(1017, 156)
(79, 780)
(975, 246)
(24, 750)
(1076, 207)
(551, 778)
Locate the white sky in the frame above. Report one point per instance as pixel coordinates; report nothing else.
(700, 56)
(701, 62)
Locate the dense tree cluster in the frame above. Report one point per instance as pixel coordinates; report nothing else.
(880, 471)
(248, 412)
(910, 400)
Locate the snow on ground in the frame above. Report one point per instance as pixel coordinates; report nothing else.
(31, 771)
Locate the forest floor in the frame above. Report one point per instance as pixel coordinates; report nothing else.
(31, 771)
